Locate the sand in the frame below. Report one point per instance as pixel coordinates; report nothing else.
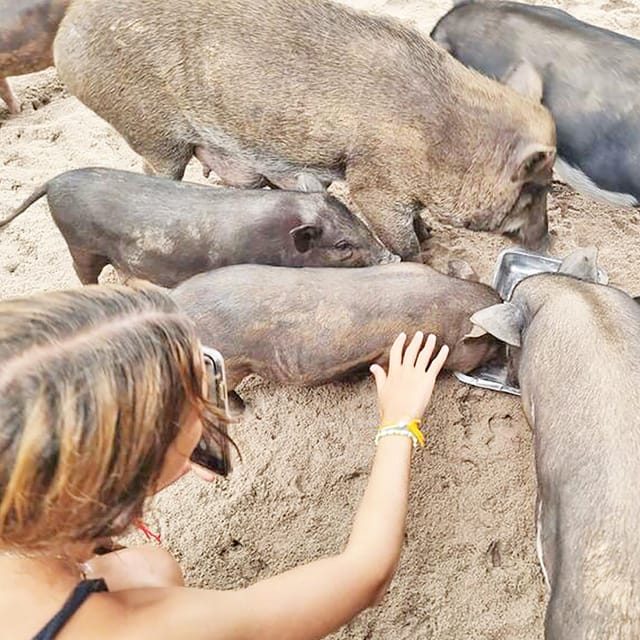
(469, 568)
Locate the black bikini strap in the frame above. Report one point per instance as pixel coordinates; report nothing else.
(82, 591)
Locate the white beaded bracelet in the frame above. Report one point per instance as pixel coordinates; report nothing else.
(396, 431)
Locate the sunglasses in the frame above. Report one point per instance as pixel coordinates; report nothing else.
(213, 452)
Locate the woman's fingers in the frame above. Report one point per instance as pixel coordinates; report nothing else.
(412, 350)
(404, 390)
(204, 474)
(438, 362)
(379, 375)
(395, 355)
(425, 355)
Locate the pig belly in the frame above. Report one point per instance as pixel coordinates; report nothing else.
(163, 269)
(311, 364)
(241, 165)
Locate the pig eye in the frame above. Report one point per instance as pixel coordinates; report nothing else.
(343, 245)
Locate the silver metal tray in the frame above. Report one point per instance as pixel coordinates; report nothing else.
(493, 377)
(512, 266)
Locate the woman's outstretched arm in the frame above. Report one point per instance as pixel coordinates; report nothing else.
(315, 599)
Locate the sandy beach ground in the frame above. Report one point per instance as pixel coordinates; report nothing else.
(469, 568)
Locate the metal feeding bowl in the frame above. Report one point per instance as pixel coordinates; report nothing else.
(493, 376)
(512, 266)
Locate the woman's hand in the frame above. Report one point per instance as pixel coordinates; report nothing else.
(204, 474)
(404, 392)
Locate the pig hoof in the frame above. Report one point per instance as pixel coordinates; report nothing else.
(236, 404)
(421, 229)
(494, 555)
(463, 270)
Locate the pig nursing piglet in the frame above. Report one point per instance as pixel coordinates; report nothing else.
(589, 77)
(27, 30)
(313, 326)
(165, 232)
(259, 90)
(576, 349)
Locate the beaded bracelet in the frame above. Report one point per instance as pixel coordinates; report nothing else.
(410, 429)
(396, 431)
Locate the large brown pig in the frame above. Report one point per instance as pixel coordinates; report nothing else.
(312, 326)
(576, 349)
(27, 30)
(261, 89)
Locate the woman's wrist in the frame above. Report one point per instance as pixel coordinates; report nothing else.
(397, 417)
(396, 443)
(409, 429)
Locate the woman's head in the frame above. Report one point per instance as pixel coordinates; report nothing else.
(96, 385)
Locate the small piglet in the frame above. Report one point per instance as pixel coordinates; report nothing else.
(575, 346)
(259, 90)
(165, 232)
(312, 326)
(27, 31)
(588, 78)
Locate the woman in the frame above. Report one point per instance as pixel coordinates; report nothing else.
(102, 401)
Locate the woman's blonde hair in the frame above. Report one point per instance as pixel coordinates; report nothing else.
(94, 385)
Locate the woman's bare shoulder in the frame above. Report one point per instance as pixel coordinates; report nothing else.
(157, 613)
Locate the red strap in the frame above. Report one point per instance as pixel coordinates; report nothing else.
(147, 532)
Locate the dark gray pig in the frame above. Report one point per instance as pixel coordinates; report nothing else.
(590, 78)
(261, 89)
(27, 30)
(312, 326)
(165, 232)
(576, 350)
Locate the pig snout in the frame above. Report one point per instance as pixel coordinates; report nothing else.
(389, 258)
(527, 221)
(467, 355)
(347, 240)
(533, 235)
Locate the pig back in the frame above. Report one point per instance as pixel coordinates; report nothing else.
(321, 70)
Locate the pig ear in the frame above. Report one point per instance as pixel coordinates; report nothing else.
(304, 235)
(476, 332)
(309, 183)
(504, 321)
(523, 78)
(533, 160)
(582, 263)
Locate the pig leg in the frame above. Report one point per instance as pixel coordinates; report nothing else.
(291, 181)
(390, 221)
(9, 97)
(232, 171)
(169, 161)
(87, 265)
(236, 404)
(388, 209)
